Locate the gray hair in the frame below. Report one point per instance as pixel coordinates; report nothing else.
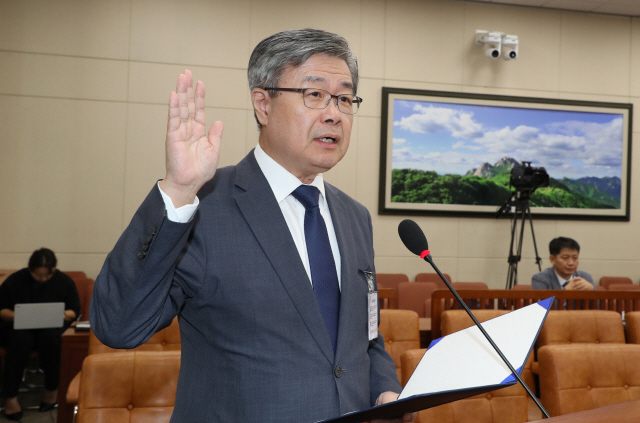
(292, 48)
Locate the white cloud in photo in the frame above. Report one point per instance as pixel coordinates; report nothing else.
(406, 155)
(399, 141)
(596, 145)
(462, 144)
(430, 120)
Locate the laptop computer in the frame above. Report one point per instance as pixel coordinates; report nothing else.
(38, 315)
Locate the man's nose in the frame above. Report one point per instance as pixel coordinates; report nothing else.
(331, 113)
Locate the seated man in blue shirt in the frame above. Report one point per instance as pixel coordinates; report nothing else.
(564, 273)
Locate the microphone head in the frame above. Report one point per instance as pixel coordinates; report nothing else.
(412, 236)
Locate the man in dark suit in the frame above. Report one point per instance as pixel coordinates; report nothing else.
(268, 268)
(563, 274)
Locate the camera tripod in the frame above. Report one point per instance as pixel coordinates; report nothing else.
(520, 200)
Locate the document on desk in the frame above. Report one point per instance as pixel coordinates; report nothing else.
(465, 364)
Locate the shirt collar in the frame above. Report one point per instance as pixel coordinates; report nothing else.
(561, 279)
(281, 181)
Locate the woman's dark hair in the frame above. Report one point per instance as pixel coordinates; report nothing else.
(43, 257)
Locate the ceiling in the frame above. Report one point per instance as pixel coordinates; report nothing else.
(613, 7)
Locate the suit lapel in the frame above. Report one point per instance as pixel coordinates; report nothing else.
(346, 244)
(258, 205)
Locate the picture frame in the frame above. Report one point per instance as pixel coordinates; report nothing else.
(451, 154)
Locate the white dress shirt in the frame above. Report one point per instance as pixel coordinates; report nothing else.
(563, 282)
(282, 183)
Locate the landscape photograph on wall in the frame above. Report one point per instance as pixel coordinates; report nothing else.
(454, 154)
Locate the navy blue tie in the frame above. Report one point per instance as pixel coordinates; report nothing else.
(323, 267)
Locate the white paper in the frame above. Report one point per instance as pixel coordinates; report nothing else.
(466, 359)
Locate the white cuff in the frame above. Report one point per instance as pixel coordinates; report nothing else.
(182, 214)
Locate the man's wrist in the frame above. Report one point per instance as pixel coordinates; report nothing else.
(181, 214)
(180, 195)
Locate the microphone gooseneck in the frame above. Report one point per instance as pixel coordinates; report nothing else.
(414, 239)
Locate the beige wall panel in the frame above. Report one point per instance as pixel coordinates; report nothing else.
(234, 143)
(88, 263)
(491, 238)
(595, 54)
(635, 58)
(15, 261)
(441, 233)
(152, 83)
(368, 163)
(145, 155)
(425, 41)
(600, 268)
(484, 238)
(60, 164)
(64, 77)
(539, 51)
(373, 89)
(193, 32)
(69, 27)
(371, 92)
(413, 265)
(269, 17)
(604, 240)
(67, 261)
(145, 159)
(372, 53)
(493, 272)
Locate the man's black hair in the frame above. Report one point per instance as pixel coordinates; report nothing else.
(43, 257)
(557, 244)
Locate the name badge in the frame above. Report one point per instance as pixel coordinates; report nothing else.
(373, 307)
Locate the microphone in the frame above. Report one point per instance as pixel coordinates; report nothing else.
(414, 239)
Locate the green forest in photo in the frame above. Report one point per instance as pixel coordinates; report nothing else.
(490, 186)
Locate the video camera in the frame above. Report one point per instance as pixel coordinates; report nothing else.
(527, 178)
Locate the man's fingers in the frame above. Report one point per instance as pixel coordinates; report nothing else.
(183, 98)
(215, 133)
(174, 112)
(199, 103)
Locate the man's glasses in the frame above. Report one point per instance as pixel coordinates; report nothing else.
(315, 98)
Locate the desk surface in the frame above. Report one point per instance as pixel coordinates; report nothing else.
(626, 412)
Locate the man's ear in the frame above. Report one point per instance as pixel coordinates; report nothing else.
(261, 101)
(552, 259)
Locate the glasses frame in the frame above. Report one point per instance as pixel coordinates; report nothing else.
(357, 100)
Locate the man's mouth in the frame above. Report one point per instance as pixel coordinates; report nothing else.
(327, 139)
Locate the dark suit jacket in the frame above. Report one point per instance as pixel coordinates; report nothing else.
(547, 279)
(254, 344)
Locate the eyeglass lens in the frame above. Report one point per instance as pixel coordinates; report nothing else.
(319, 99)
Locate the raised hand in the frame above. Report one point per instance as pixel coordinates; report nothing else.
(191, 154)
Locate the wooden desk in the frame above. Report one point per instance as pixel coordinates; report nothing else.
(626, 412)
(75, 347)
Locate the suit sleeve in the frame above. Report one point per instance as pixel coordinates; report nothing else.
(383, 374)
(137, 291)
(539, 281)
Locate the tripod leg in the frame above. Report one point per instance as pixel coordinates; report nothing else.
(533, 236)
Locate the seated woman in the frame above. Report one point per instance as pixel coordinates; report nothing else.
(39, 283)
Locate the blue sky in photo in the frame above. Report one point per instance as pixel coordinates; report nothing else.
(455, 138)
